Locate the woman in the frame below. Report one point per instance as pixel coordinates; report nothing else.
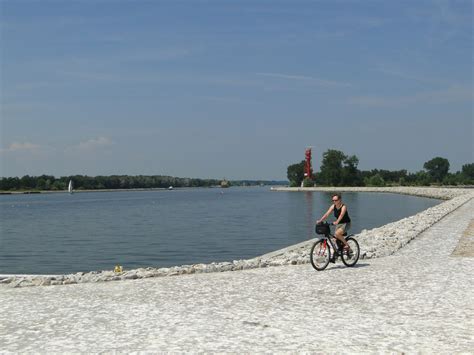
(342, 222)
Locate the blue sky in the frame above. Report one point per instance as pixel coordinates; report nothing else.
(233, 89)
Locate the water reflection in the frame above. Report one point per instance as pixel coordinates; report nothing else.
(308, 197)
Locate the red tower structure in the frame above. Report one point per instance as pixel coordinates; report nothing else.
(308, 170)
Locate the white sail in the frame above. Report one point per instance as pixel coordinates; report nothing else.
(70, 187)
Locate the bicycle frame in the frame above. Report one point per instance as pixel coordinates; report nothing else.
(328, 238)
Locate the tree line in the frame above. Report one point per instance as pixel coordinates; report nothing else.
(339, 169)
(82, 182)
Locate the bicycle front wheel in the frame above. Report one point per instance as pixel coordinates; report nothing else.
(320, 255)
(350, 257)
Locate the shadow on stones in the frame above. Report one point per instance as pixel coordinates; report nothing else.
(255, 324)
(342, 266)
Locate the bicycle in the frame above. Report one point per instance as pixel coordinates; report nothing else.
(325, 250)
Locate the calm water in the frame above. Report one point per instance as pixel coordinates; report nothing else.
(62, 233)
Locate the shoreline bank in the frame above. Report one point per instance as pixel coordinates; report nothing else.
(102, 190)
(272, 187)
(377, 242)
(442, 193)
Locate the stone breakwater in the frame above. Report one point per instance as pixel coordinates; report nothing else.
(377, 242)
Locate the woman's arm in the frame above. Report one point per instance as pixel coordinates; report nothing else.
(326, 214)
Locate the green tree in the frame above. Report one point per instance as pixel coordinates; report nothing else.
(437, 168)
(422, 178)
(392, 177)
(468, 171)
(308, 182)
(58, 185)
(375, 180)
(350, 173)
(295, 173)
(11, 183)
(338, 169)
(27, 182)
(452, 179)
(331, 167)
(41, 183)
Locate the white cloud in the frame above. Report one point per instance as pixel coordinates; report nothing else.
(400, 74)
(310, 79)
(164, 54)
(16, 147)
(93, 144)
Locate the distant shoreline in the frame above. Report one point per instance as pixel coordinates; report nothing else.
(392, 189)
(114, 190)
(76, 191)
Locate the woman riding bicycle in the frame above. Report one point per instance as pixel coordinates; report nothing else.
(342, 222)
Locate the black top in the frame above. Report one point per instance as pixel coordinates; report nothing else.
(345, 219)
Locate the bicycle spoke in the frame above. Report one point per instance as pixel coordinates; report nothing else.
(320, 255)
(351, 256)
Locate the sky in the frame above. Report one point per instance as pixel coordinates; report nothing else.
(232, 89)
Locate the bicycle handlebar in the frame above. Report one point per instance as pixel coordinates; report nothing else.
(325, 223)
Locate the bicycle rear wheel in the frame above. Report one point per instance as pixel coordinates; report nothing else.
(320, 255)
(350, 258)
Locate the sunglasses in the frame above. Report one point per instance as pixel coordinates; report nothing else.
(336, 200)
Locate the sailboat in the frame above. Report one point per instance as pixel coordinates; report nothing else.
(70, 187)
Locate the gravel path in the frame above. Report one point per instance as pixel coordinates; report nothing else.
(418, 300)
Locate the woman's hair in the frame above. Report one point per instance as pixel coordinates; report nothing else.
(339, 197)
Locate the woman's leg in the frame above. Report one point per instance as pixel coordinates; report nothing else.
(339, 235)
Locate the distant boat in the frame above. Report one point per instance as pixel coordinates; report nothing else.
(225, 183)
(70, 187)
(170, 188)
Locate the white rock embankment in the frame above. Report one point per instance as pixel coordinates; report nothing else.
(377, 242)
(385, 240)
